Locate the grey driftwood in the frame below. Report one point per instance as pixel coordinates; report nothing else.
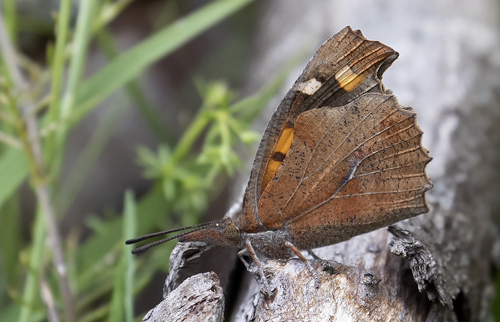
(435, 267)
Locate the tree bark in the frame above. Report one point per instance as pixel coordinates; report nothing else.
(435, 267)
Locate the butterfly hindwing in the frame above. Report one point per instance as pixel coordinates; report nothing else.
(348, 170)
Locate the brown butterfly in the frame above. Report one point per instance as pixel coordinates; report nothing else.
(339, 157)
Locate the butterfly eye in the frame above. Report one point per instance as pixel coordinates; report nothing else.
(232, 232)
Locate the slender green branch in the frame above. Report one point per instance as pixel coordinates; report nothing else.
(77, 64)
(11, 18)
(58, 62)
(59, 55)
(197, 126)
(79, 54)
(9, 55)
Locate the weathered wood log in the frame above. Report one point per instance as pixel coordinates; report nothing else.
(205, 303)
(435, 267)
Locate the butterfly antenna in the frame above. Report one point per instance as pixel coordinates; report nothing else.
(148, 236)
(164, 240)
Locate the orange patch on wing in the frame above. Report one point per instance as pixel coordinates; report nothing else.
(348, 79)
(277, 155)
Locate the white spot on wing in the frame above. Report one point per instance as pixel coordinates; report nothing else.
(310, 87)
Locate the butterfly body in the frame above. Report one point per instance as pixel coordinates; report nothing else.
(270, 243)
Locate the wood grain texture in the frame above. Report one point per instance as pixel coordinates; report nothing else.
(204, 303)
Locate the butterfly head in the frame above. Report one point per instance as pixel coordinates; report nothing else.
(215, 233)
(218, 233)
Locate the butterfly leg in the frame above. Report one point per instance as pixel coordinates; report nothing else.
(257, 262)
(305, 261)
(327, 265)
(310, 252)
(242, 253)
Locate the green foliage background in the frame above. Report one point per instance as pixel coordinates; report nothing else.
(103, 276)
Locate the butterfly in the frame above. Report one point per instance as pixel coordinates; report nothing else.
(339, 157)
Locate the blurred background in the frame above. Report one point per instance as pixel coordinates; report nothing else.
(149, 113)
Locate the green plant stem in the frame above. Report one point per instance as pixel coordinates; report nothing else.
(193, 132)
(9, 55)
(28, 132)
(11, 19)
(77, 64)
(33, 150)
(58, 66)
(79, 54)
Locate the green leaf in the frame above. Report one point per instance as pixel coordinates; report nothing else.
(129, 231)
(31, 287)
(122, 301)
(132, 63)
(14, 169)
(11, 242)
(117, 311)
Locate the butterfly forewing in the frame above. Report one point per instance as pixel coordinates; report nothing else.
(345, 67)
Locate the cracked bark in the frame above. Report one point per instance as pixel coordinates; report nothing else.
(435, 267)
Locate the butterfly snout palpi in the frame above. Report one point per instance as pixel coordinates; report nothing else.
(339, 157)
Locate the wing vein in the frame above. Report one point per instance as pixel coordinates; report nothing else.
(340, 144)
